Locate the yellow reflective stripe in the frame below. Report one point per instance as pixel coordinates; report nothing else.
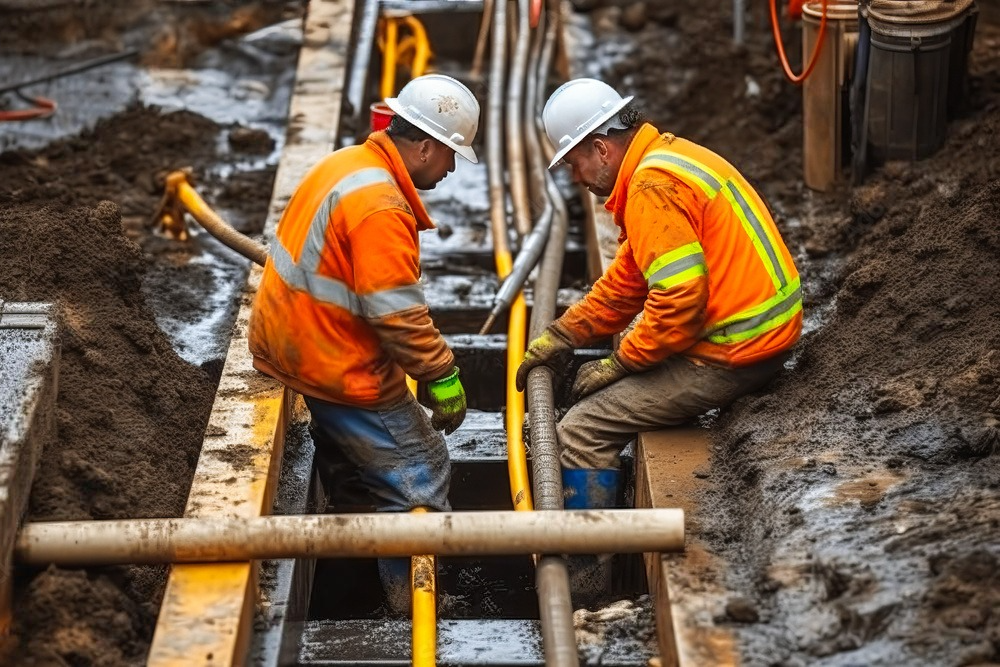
(703, 177)
(672, 256)
(769, 325)
(678, 278)
(750, 226)
(792, 288)
(739, 200)
(761, 318)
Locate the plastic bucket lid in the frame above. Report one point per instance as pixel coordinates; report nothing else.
(835, 11)
(381, 115)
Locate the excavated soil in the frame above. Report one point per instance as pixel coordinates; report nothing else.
(856, 501)
(131, 413)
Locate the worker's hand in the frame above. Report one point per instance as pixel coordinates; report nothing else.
(595, 375)
(547, 350)
(446, 399)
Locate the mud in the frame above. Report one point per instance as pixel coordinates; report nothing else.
(74, 224)
(855, 501)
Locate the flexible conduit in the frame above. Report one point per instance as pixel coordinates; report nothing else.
(393, 49)
(555, 606)
(179, 196)
(516, 172)
(517, 467)
(423, 588)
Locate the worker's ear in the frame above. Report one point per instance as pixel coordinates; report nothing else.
(602, 148)
(426, 149)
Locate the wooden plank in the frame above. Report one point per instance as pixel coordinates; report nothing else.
(207, 610)
(666, 465)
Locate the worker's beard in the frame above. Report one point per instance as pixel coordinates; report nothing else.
(604, 182)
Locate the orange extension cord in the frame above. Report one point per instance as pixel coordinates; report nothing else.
(813, 58)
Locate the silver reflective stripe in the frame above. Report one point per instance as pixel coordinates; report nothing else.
(758, 229)
(675, 267)
(774, 311)
(327, 290)
(689, 167)
(387, 302)
(312, 249)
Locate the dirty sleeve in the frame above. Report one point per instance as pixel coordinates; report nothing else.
(661, 219)
(386, 259)
(614, 300)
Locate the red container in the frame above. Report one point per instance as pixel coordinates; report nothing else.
(381, 114)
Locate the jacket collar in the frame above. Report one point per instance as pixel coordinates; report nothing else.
(382, 145)
(640, 145)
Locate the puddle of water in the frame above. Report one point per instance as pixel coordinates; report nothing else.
(82, 99)
(204, 336)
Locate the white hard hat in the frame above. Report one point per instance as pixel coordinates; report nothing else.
(576, 109)
(443, 108)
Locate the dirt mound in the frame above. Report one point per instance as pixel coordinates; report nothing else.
(855, 500)
(130, 413)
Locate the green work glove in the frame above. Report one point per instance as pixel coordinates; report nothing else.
(546, 350)
(595, 375)
(446, 399)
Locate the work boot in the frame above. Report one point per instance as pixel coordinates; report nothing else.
(395, 576)
(590, 575)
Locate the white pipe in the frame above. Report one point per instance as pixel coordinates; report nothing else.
(382, 535)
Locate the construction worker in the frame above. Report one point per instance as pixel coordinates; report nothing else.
(340, 315)
(699, 257)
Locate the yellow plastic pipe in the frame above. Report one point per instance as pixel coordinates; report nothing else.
(422, 48)
(388, 88)
(394, 50)
(517, 460)
(423, 599)
(423, 586)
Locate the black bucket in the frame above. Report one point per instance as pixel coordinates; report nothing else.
(907, 90)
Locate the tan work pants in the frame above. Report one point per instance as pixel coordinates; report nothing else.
(595, 430)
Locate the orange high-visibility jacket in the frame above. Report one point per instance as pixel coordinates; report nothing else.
(340, 314)
(699, 256)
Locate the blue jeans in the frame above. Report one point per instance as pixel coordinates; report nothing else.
(393, 455)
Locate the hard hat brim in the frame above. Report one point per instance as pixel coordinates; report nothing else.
(561, 153)
(465, 151)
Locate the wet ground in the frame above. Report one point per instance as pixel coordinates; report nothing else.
(856, 501)
(146, 318)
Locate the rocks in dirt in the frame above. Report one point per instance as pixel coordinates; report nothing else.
(742, 610)
(251, 140)
(634, 16)
(130, 412)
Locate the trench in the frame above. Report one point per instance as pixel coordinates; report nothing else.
(192, 291)
(487, 607)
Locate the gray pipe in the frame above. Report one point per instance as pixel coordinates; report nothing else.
(555, 606)
(516, 174)
(494, 129)
(534, 243)
(361, 59)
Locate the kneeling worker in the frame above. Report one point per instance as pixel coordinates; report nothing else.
(699, 256)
